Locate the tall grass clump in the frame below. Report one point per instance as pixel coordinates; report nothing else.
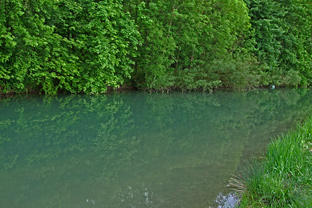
(283, 178)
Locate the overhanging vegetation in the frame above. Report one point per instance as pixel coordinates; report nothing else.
(86, 46)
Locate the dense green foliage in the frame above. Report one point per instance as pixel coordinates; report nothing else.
(283, 178)
(185, 41)
(283, 45)
(73, 46)
(88, 46)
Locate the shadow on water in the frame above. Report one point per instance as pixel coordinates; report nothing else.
(136, 149)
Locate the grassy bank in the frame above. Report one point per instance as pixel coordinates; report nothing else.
(283, 177)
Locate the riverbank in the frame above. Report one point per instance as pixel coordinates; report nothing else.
(129, 87)
(283, 177)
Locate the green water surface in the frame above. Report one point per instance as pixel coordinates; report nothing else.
(136, 149)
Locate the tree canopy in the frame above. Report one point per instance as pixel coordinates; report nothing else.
(87, 46)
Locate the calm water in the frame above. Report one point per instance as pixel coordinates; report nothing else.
(136, 149)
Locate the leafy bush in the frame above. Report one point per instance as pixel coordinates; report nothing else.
(180, 38)
(73, 46)
(282, 43)
(88, 46)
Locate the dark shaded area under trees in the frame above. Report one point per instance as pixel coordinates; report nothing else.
(88, 46)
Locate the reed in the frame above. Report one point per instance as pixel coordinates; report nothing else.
(283, 178)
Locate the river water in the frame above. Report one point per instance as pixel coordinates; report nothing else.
(135, 149)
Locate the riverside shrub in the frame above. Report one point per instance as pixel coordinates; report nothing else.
(74, 46)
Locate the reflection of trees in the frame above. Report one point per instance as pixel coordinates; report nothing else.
(170, 149)
(60, 138)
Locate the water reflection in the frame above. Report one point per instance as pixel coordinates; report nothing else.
(136, 149)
